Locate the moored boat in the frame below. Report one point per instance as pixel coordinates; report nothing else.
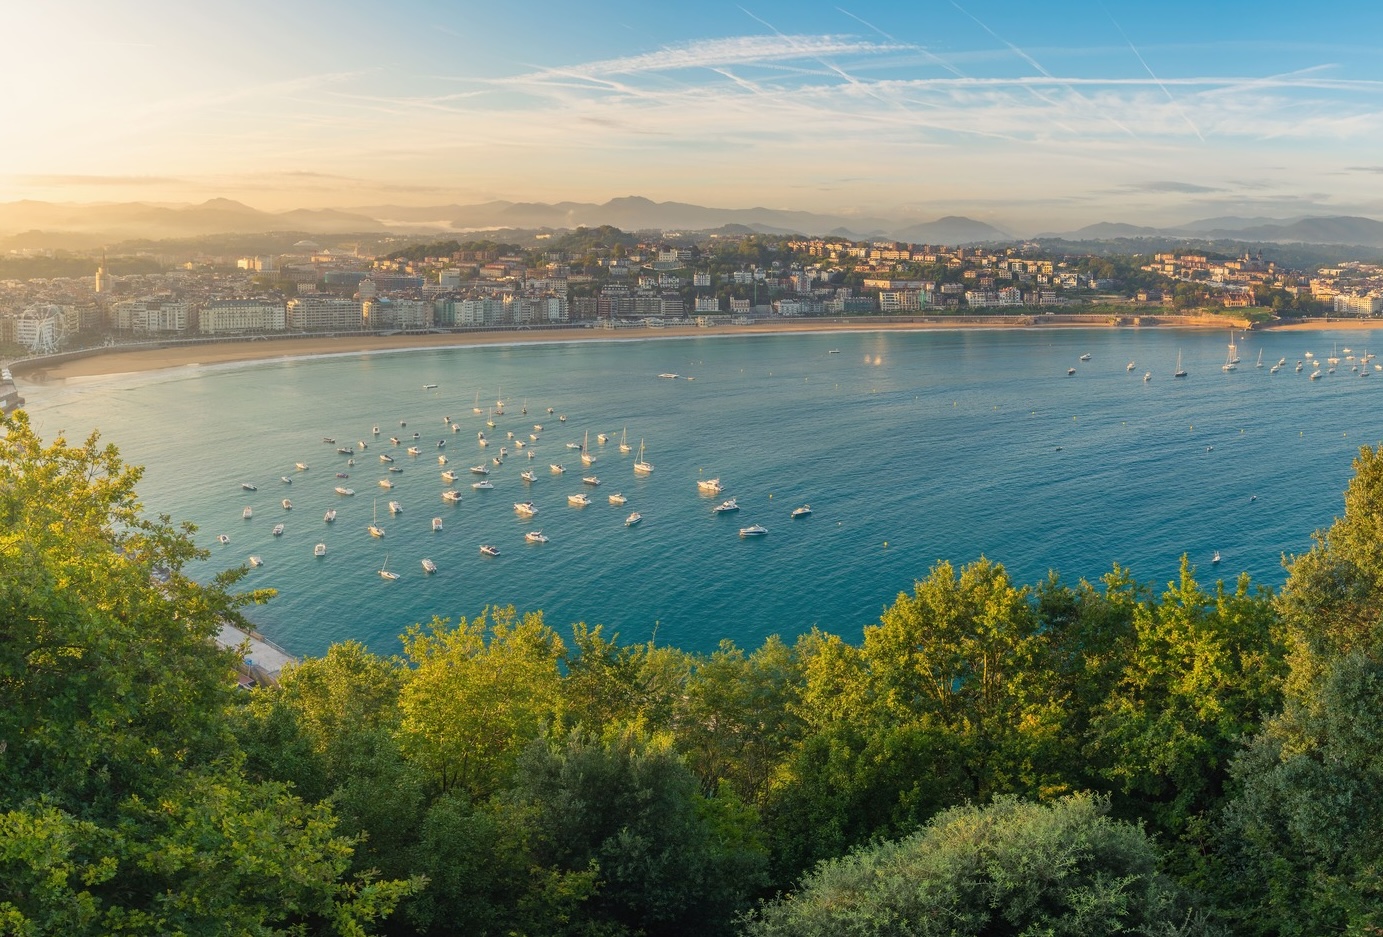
(803, 511)
(633, 519)
(755, 530)
(319, 550)
(726, 506)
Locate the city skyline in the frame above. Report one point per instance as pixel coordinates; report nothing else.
(1028, 119)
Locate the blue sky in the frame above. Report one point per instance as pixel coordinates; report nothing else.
(1031, 116)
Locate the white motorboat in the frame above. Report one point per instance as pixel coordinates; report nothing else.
(256, 562)
(278, 530)
(481, 469)
(285, 479)
(319, 550)
(726, 506)
(633, 519)
(395, 507)
(535, 536)
(287, 505)
(755, 530)
(441, 460)
(709, 486)
(385, 457)
(578, 500)
(803, 511)
(483, 485)
(525, 508)
(342, 490)
(452, 495)
(1085, 357)
(528, 475)
(602, 438)
(591, 480)
(249, 487)
(385, 483)
(489, 549)
(329, 516)
(436, 523)
(429, 566)
(247, 513)
(448, 476)
(222, 539)
(557, 469)
(414, 450)
(618, 498)
(300, 466)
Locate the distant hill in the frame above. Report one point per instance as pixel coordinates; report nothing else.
(953, 229)
(143, 220)
(1341, 230)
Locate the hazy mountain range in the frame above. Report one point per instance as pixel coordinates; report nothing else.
(93, 224)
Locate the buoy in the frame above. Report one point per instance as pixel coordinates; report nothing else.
(885, 543)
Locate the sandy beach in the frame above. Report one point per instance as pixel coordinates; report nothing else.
(106, 362)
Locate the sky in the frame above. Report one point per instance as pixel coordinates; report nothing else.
(1031, 116)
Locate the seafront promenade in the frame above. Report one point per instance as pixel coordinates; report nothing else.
(263, 660)
(127, 357)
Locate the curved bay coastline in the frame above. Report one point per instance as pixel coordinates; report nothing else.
(1072, 475)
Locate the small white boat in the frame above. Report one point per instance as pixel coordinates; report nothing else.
(1130, 366)
(562, 418)
(222, 538)
(602, 438)
(385, 457)
(481, 469)
(441, 444)
(1085, 357)
(329, 516)
(1214, 560)
(345, 450)
(1147, 376)
(385, 483)
(395, 507)
(525, 508)
(535, 536)
(624, 441)
(448, 476)
(498, 460)
(384, 572)
(319, 550)
(429, 566)
(329, 440)
(573, 445)
(248, 487)
(278, 530)
(618, 498)
(441, 460)
(436, 523)
(709, 486)
(247, 513)
(578, 500)
(362, 445)
(285, 479)
(300, 466)
(591, 480)
(668, 376)
(803, 511)
(483, 485)
(375, 530)
(519, 444)
(394, 440)
(375, 430)
(256, 562)
(633, 519)
(1070, 372)
(340, 490)
(287, 505)
(726, 506)
(557, 469)
(452, 495)
(529, 475)
(414, 450)
(756, 530)
(429, 387)
(1315, 375)
(489, 549)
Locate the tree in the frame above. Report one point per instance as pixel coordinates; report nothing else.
(125, 804)
(476, 694)
(1063, 869)
(1300, 849)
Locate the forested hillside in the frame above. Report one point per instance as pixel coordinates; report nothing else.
(992, 757)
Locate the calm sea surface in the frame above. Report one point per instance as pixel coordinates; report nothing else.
(909, 448)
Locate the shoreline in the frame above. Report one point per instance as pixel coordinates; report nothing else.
(107, 362)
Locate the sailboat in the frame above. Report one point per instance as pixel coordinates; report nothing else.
(476, 408)
(624, 440)
(1231, 357)
(586, 457)
(384, 572)
(374, 528)
(1260, 359)
(640, 466)
(490, 420)
(1178, 372)
(499, 402)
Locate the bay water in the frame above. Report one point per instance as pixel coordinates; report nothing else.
(910, 447)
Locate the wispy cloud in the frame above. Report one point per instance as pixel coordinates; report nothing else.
(77, 180)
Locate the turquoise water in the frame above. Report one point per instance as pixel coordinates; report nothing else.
(909, 447)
